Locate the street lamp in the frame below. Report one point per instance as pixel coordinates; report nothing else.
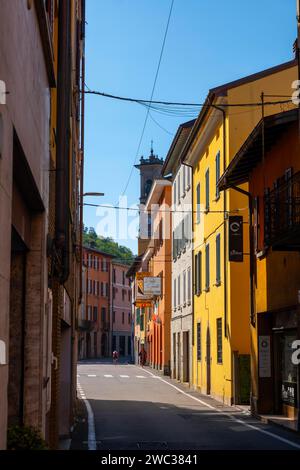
(93, 194)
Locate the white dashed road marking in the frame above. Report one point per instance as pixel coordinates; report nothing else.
(124, 376)
(108, 376)
(92, 375)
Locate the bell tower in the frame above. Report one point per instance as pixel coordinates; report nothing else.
(150, 169)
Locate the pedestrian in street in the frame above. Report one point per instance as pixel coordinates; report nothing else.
(115, 357)
(143, 356)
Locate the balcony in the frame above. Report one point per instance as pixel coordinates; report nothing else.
(282, 215)
(86, 325)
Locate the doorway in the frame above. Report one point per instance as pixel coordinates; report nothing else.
(186, 357)
(285, 376)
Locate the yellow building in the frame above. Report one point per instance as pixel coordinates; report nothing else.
(222, 311)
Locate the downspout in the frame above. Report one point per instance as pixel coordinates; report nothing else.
(62, 212)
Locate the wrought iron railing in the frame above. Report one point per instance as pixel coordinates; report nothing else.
(282, 210)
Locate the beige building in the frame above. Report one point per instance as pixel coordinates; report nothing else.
(182, 257)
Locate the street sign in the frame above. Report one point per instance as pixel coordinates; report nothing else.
(152, 285)
(236, 238)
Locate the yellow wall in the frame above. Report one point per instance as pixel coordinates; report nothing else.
(210, 305)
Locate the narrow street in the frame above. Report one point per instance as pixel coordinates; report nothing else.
(133, 408)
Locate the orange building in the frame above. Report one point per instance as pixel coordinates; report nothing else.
(95, 337)
(269, 161)
(157, 258)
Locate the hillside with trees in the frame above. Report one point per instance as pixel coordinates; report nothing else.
(107, 245)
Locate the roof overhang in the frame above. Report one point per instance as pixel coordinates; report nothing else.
(251, 152)
(157, 189)
(174, 153)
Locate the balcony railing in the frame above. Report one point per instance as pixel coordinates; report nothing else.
(282, 214)
(86, 325)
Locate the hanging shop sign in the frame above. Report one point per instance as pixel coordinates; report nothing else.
(140, 294)
(236, 238)
(143, 303)
(152, 285)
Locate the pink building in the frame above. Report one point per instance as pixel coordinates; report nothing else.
(121, 323)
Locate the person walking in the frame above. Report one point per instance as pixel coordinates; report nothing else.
(115, 357)
(143, 356)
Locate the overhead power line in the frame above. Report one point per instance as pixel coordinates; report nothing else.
(152, 103)
(152, 93)
(171, 211)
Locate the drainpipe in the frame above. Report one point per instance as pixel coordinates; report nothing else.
(82, 96)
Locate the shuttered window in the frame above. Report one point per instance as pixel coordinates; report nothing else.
(198, 204)
(207, 268)
(217, 174)
(219, 341)
(207, 190)
(199, 341)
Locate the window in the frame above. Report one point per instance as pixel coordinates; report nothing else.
(123, 294)
(198, 203)
(217, 174)
(129, 318)
(106, 290)
(178, 188)
(102, 290)
(198, 273)
(199, 341)
(114, 276)
(103, 314)
(129, 296)
(207, 272)
(207, 190)
(183, 178)
(189, 285)
(123, 317)
(178, 290)
(219, 341)
(123, 278)
(218, 259)
(188, 172)
(174, 193)
(94, 287)
(95, 314)
(174, 293)
(114, 317)
(184, 287)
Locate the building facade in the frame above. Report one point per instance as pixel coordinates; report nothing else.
(121, 318)
(95, 336)
(221, 281)
(41, 45)
(182, 257)
(157, 261)
(274, 188)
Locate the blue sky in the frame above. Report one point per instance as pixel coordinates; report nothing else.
(209, 43)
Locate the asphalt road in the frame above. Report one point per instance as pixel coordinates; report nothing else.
(133, 408)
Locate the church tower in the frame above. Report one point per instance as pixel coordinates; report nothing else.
(150, 169)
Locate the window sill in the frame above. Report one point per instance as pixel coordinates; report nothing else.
(217, 284)
(207, 289)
